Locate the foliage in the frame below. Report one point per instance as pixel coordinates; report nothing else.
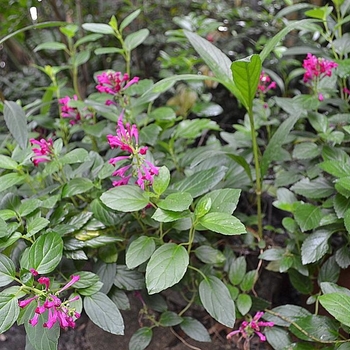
(149, 194)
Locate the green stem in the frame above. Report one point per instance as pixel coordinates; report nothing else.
(258, 187)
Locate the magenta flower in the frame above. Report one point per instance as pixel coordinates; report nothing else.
(57, 310)
(265, 83)
(114, 82)
(43, 153)
(248, 329)
(69, 112)
(317, 68)
(127, 140)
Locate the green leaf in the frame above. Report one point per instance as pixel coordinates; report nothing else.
(320, 327)
(87, 279)
(28, 206)
(141, 339)
(169, 319)
(329, 271)
(194, 329)
(88, 38)
(278, 338)
(125, 198)
(107, 50)
(78, 155)
(81, 58)
(161, 181)
(139, 251)
(217, 300)
(128, 19)
(315, 246)
(249, 280)
(318, 188)
(201, 182)
(161, 215)
(216, 60)
(246, 74)
(36, 225)
(128, 279)
(9, 180)
(104, 313)
(104, 214)
(9, 311)
(191, 129)
(52, 45)
(135, 39)
(338, 305)
(222, 223)
(76, 186)
(166, 267)
(16, 122)
(209, 255)
(98, 28)
(7, 163)
(3, 228)
(273, 149)
(306, 150)
(119, 298)
(300, 282)
(244, 303)
(243, 163)
(335, 167)
(178, 201)
(46, 253)
(307, 216)
(290, 313)
(237, 270)
(7, 270)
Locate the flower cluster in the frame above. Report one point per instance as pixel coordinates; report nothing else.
(265, 83)
(44, 151)
(69, 112)
(58, 311)
(127, 140)
(317, 68)
(114, 83)
(248, 329)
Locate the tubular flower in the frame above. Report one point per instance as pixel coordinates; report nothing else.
(265, 83)
(127, 140)
(69, 112)
(57, 310)
(43, 153)
(114, 82)
(317, 68)
(248, 329)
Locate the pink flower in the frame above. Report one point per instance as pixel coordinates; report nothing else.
(33, 272)
(69, 112)
(43, 153)
(265, 83)
(248, 329)
(70, 283)
(317, 68)
(114, 82)
(24, 303)
(45, 281)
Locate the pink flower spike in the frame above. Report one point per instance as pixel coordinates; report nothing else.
(34, 272)
(24, 303)
(70, 283)
(34, 321)
(52, 318)
(45, 281)
(117, 159)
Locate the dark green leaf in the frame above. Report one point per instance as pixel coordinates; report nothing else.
(36, 225)
(169, 319)
(141, 339)
(249, 280)
(53, 45)
(290, 314)
(210, 255)
(9, 180)
(178, 201)
(78, 155)
(195, 329)
(161, 215)
(76, 186)
(86, 279)
(166, 267)
(7, 163)
(315, 246)
(318, 188)
(128, 279)
(222, 223)
(139, 251)
(9, 311)
(306, 150)
(7, 270)
(135, 39)
(244, 303)
(237, 270)
(104, 313)
(307, 216)
(278, 337)
(161, 181)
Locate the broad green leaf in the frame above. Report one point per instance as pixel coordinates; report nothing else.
(3, 228)
(273, 149)
(191, 129)
(243, 163)
(329, 271)
(248, 281)
(16, 122)
(46, 253)
(246, 74)
(129, 19)
(104, 313)
(307, 216)
(222, 223)
(88, 38)
(306, 150)
(36, 225)
(107, 50)
(335, 167)
(201, 182)
(7, 163)
(338, 305)
(161, 215)
(223, 201)
(318, 188)
(237, 271)
(119, 298)
(217, 300)
(141, 339)
(209, 255)
(40, 337)
(7, 270)
(28, 206)
(106, 273)
(244, 303)
(341, 205)
(103, 213)
(125, 198)
(9, 311)
(81, 58)
(301, 282)
(320, 327)
(166, 267)
(178, 201)
(315, 246)
(216, 60)
(290, 313)
(128, 279)
(278, 338)
(100, 28)
(169, 319)
(9, 180)
(139, 251)
(195, 330)
(53, 45)
(161, 181)
(135, 39)
(203, 206)
(328, 287)
(320, 12)
(347, 220)
(342, 256)
(78, 155)
(86, 279)
(91, 290)
(76, 186)
(272, 254)
(150, 134)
